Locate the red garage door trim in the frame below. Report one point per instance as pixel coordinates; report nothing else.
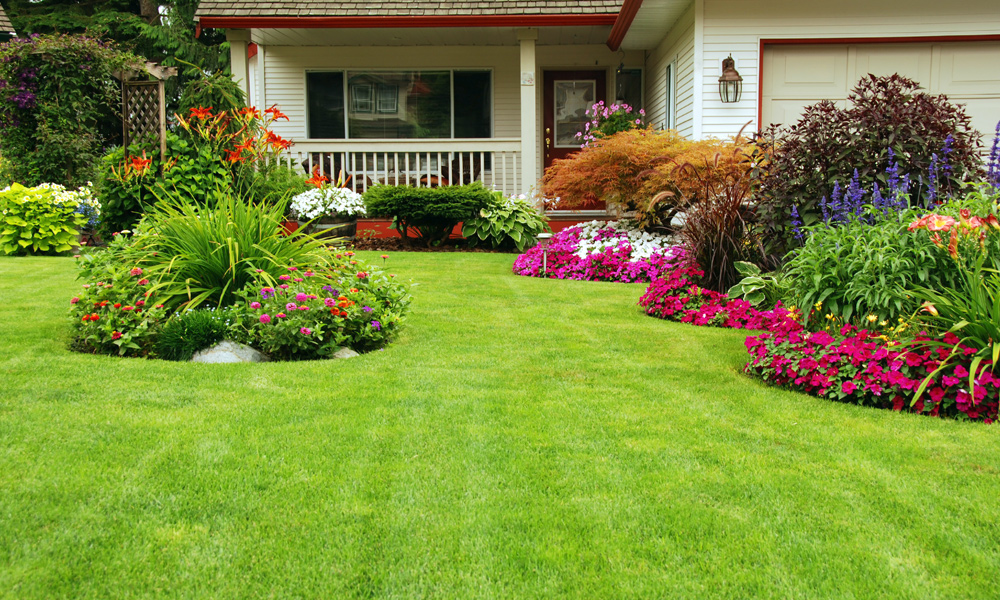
(858, 40)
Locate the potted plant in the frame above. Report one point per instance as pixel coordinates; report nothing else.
(332, 210)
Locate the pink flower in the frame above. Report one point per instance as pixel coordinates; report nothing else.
(255, 305)
(140, 303)
(280, 315)
(848, 387)
(265, 318)
(74, 300)
(290, 306)
(135, 272)
(305, 331)
(284, 277)
(298, 279)
(116, 335)
(143, 282)
(293, 268)
(300, 297)
(303, 308)
(283, 286)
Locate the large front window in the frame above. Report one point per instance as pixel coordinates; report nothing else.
(399, 104)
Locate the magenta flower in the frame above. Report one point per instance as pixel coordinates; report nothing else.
(265, 318)
(293, 268)
(300, 297)
(280, 315)
(284, 277)
(376, 326)
(303, 307)
(305, 331)
(255, 305)
(290, 306)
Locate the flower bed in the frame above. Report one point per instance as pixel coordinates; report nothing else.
(854, 366)
(599, 251)
(860, 367)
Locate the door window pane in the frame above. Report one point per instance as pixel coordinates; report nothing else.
(572, 100)
(421, 109)
(325, 93)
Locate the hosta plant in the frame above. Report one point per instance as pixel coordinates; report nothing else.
(508, 221)
(43, 219)
(756, 287)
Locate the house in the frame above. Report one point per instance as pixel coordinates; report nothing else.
(6, 28)
(417, 92)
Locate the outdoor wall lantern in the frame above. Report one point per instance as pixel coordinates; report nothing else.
(731, 82)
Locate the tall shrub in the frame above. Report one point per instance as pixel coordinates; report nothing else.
(887, 119)
(57, 95)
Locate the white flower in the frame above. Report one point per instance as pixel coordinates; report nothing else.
(327, 201)
(644, 244)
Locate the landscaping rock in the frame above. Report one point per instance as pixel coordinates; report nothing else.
(344, 352)
(229, 352)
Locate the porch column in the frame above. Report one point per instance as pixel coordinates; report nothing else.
(238, 40)
(529, 111)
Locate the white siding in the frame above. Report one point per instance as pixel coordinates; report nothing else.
(737, 26)
(677, 48)
(285, 68)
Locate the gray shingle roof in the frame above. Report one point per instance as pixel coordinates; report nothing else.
(403, 8)
(5, 25)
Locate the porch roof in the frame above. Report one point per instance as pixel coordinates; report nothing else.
(209, 9)
(5, 24)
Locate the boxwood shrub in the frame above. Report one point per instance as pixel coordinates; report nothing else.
(432, 213)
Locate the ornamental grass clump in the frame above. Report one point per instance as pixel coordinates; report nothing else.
(191, 331)
(602, 251)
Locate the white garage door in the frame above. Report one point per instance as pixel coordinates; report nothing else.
(796, 76)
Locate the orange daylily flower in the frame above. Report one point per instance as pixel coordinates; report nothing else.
(234, 156)
(277, 114)
(940, 223)
(140, 165)
(317, 179)
(201, 112)
(276, 141)
(249, 112)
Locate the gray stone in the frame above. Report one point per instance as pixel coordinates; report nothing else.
(229, 352)
(344, 352)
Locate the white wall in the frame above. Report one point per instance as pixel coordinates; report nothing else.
(677, 47)
(737, 26)
(285, 68)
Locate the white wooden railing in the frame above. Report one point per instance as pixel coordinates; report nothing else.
(424, 163)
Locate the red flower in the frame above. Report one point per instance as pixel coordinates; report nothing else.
(317, 179)
(277, 114)
(85, 318)
(140, 165)
(94, 317)
(199, 113)
(118, 305)
(234, 156)
(141, 303)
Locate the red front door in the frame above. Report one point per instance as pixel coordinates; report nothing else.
(566, 96)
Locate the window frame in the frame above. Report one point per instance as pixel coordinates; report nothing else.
(451, 76)
(670, 97)
(642, 85)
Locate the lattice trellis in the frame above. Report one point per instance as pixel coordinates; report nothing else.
(144, 112)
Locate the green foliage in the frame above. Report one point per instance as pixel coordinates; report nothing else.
(193, 171)
(162, 32)
(53, 128)
(191, 331)
(41, 219)
(758, 288)
(114, 313)
(859, 269)
(211, 90)
(507, 222)
(206, 255)
(432, 212)
(829, 143)
(123, 195)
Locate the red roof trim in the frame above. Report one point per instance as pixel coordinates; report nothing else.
(401, 22)
(625, 17)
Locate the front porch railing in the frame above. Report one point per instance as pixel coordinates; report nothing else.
(423, 163)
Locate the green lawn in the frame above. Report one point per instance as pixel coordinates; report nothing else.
(522, 439)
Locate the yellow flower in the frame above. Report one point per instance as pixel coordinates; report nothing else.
(818, 305)
(830, 317)
(883, 323)
(872, 318)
